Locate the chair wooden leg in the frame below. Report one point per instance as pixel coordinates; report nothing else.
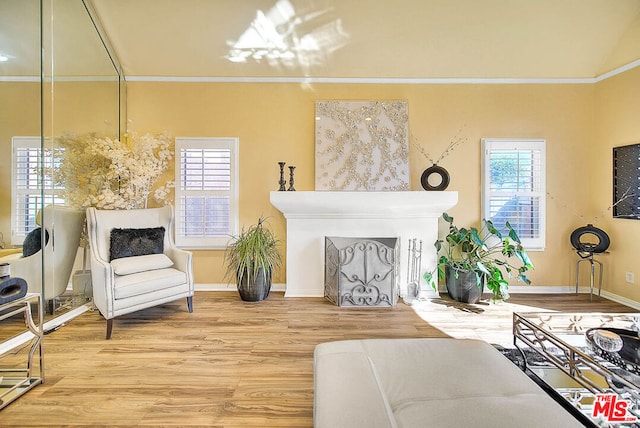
(50, 306)
(190, 303)
(109, 328)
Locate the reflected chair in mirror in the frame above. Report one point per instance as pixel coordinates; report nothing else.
(63, 228)
(134, 262)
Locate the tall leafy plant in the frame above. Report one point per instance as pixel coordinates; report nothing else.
(492, 255)
(253, 249)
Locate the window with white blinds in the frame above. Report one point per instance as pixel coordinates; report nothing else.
(514, 187)
(30, 191)
(206, 191)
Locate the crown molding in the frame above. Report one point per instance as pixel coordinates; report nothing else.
(353, 80)
(618, 70)
(392, 80)
(59, 79)
(19, 78)
(365, 80)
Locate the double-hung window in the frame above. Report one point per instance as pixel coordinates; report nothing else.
(514, 187)
(30, 188)
(206, 191)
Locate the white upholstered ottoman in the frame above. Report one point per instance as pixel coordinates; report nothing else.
(427, 383)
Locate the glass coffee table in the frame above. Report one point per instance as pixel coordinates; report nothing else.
(589, 361)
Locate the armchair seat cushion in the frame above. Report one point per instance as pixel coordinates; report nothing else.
(136, 264)
(127, 286)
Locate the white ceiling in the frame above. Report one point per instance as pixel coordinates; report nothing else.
(373, 39)
(417, 39)
(68, 35)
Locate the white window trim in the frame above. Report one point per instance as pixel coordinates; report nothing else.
(18, 143)
(530, 244)
(25, 142)
(231, 143)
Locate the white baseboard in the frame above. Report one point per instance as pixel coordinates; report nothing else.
(622, 300)
(59, 321)
(525, 289)
(303, 295)
(232, 287)
(569, 290)
(548, 289)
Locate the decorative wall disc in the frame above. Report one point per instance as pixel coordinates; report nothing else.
(438, 170)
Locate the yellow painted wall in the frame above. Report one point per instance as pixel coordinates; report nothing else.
(618, 112)
(82, 106)
(78, 107)
(275, 122)
(20, 107)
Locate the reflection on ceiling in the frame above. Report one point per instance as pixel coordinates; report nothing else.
(284, 37)
(350, 39)
(19, 38)
(382, 39)
(76, 50)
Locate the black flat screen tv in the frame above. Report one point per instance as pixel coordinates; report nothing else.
(626, 182)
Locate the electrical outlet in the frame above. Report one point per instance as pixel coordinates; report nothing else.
(630, 277)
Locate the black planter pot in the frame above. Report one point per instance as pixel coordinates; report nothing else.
(464, 288)
(256, 290)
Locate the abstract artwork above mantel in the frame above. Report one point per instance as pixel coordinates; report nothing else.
(362, 145)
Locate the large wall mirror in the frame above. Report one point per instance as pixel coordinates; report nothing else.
(59, 82)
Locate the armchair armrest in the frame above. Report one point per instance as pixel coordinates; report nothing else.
(183, 261)
(11, 257)
(181, 258)
(101, 276)
(12, 252)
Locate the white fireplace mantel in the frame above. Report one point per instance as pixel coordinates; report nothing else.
(312, 215)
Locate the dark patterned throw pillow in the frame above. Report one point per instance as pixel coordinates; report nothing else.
(136, 242)
(33, 242)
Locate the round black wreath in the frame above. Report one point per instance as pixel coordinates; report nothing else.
(435, 169)
(587, 247)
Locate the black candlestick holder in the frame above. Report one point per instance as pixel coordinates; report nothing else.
(282, 182)
(291, 187)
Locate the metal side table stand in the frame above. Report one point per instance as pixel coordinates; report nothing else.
(17, 380)
(588, 257)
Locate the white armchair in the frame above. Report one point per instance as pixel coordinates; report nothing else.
(140, 275)
(64, 227)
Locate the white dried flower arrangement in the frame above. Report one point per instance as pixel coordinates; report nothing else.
(113, 174)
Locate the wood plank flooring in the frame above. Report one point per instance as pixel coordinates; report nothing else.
(228, 364)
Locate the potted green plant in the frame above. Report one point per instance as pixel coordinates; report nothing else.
(471, 258)
(251, 258)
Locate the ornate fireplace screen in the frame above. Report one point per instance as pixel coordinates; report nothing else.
(361, 271)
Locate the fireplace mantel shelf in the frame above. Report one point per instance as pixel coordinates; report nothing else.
(312, 216)
(327, 204)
